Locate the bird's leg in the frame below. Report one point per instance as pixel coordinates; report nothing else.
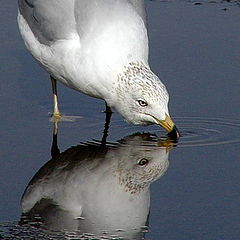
(108, 112)
(56, 112)
(54, 149)
(108, 109)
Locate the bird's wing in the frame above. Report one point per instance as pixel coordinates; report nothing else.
(49, 20)
(140, 8)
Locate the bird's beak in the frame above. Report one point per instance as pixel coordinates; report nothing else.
(169, 125)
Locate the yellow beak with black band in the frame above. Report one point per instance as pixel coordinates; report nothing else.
(169, 125)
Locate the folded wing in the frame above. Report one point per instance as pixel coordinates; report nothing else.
(52, 20)
(49, 20)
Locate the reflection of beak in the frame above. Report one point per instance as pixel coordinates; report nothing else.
(168, 144)
(169, 125)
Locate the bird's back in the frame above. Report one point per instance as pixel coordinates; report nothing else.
(85, 44)
(52, 20)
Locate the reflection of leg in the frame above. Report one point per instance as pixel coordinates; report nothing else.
(56, 113)
(54, 149)
(108, 112)
(108, 109)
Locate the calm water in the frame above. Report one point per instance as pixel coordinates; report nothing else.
(195, 193)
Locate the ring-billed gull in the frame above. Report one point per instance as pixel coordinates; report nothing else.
(100, 48)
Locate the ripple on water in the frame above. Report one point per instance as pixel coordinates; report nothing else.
(195, 131)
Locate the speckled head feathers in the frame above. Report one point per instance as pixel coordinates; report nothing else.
(139, 83)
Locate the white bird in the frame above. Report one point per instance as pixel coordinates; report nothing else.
(100, 48)
(90, 189)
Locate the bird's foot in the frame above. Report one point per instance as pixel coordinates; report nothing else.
(57, 116)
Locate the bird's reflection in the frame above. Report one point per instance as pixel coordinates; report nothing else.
(97, 188)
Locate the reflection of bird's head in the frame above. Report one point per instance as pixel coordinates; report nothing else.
(139, 163)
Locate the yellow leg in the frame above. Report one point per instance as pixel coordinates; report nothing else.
(56, 112)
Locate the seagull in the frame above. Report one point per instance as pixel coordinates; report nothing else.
(100, 48)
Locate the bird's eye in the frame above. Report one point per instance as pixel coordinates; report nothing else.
(143, 162)
(142, 103)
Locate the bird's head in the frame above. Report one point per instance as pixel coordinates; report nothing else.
(142, 99)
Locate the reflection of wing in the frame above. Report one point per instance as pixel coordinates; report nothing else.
(67, 160)
(50, 178)
(107, 186)
(52, 215)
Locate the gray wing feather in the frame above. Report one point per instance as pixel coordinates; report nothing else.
(49, 20)
(93, 15)
(140, 8)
